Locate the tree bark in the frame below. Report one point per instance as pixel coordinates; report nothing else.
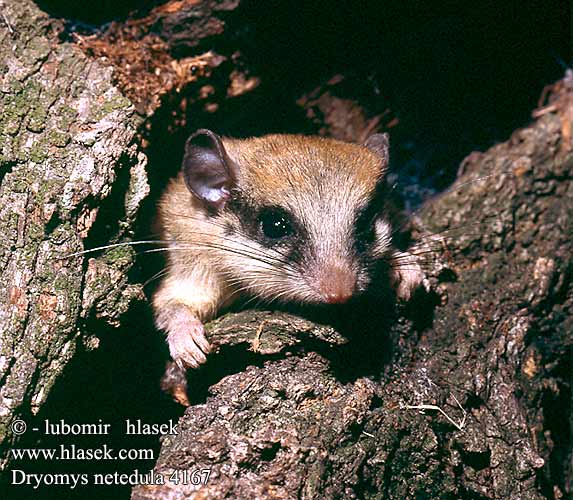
(67, 155)
(458, 400)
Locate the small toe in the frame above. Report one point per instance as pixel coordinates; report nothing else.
(202, 342)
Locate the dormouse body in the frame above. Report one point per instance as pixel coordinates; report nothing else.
(281, 217)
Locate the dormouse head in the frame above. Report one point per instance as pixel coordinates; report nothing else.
(302, 219)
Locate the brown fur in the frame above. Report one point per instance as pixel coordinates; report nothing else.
(265, 161)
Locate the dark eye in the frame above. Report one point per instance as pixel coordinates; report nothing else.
(275, 223)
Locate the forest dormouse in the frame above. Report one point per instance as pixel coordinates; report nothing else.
(281, 217)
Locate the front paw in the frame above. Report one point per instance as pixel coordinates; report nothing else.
(185, 337)
(407, 275)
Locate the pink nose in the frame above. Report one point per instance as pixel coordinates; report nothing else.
(336, 285)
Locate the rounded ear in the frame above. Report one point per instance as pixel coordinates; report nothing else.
(208, 171)
(380, 145)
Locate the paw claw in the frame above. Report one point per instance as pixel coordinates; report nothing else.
(186, 338)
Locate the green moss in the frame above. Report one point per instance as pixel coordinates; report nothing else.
(23, 100)
(15, 87)
(35, 232)
(27, 97)
(43, 194)
(17, 104)
(9, 123)
(19, 185)
(37, 118)
(62, 283)
(119, 255)
(66, 116)
(36, 49)
(117, 102)
(58, 139)
(39, 151)
(14, 109)
(38, 115)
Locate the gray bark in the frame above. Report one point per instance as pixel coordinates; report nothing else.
(67, 146)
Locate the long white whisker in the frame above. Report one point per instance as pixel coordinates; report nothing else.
(112, 245)
(248, 249)
(266, 260)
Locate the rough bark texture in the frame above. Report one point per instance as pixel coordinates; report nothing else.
(490, 346)
(170, 48)
(67, 154)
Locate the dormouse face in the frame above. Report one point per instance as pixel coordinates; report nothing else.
(302, 218)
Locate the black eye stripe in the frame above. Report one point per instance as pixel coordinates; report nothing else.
(378, 207)
(251, 215)
(365, 219)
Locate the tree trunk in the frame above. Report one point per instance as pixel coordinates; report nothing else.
(458, 401)
(68, 160)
